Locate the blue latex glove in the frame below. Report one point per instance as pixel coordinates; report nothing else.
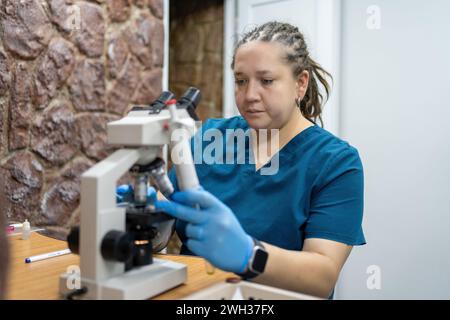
(212, 230)
(125, 193)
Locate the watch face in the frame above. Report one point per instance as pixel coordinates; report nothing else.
(259, 262)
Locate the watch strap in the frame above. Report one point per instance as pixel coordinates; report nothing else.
(249, 273)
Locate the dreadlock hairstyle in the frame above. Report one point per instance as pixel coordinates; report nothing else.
(297, 56)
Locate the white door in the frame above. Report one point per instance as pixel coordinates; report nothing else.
(316, 19)
(301, 13)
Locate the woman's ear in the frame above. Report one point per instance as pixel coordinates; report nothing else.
(302, 84)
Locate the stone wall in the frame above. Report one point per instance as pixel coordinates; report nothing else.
(196, 51)
(67, 68)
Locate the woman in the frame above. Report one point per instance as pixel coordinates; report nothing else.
(294, 228)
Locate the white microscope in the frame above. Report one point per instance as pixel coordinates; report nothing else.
(116, 242)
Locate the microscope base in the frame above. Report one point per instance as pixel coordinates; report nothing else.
(137, 284)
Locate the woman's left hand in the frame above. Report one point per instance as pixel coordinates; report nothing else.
(212, 229)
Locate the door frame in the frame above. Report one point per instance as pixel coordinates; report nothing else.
(230, 37)
(166, 23)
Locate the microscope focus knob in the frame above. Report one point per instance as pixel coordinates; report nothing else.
(73, 240)
(117, 246)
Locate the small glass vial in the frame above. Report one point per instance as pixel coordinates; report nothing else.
(210, 269)
(26, 230)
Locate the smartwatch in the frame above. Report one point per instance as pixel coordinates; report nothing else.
(257, 261)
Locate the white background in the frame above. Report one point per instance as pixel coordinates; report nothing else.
(391, 102)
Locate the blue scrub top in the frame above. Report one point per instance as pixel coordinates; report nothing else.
(317, 191)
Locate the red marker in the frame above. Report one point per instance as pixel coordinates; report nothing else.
(172, 101)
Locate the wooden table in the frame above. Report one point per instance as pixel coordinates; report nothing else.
(40, 279)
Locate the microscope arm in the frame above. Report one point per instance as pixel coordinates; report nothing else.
(181, 150)
(99, 212)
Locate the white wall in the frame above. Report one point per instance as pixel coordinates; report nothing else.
(395, 108)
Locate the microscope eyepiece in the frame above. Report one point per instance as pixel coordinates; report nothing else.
(158, 104)
(190, 100)
(164, 97)
(191, 97)
(161, 101)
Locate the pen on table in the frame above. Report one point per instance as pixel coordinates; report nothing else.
(47, 255)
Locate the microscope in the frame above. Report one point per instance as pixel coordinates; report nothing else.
(116, 242)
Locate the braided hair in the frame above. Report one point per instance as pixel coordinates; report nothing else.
(297, 56)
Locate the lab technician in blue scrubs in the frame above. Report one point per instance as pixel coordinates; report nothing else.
(289, 223)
